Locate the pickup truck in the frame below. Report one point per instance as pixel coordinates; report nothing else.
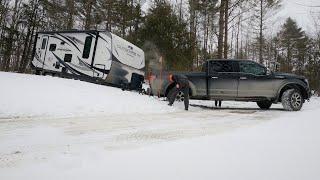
(242, 80)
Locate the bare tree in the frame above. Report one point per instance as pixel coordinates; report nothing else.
(221, 29)
(12, 32)
(262, 9)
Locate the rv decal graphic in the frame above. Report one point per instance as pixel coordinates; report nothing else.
(70, 42)
(103, 39)
(91, 34)
(94, 68)
(105, 71)
(74, 39)
(82, 63)
(66, 50)
(38, 58)
(59, 39)
(128, 50)
(72, 70)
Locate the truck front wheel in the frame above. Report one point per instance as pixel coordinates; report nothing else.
(264, 104)
(292, 100)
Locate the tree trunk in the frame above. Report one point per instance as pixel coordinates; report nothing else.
(193, 31)
(28, 41)
(226, 18)
(88, 9)
(237, 37)
(10, 38)
(180, 11)
(261, 33)
(71, 13)
(205, 39)
(24, 53)
(221, 29)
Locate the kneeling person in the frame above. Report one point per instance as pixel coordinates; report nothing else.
(182, 84)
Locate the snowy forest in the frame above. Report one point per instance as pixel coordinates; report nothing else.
(184, 32)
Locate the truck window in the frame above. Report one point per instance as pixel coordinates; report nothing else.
(249, 67)
(87, 47)
(220, 67)
(204, 67)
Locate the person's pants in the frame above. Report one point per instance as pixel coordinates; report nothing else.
(216, 103)
(185, 91)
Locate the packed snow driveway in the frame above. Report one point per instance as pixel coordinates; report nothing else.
(89, 113)
(131, 130)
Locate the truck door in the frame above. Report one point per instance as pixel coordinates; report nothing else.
(223, 79)
(254, 81)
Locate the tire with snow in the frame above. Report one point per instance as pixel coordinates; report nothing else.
(264, 104)
(38, 72)
(292, 100)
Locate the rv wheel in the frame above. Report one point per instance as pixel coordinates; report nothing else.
(38, 72)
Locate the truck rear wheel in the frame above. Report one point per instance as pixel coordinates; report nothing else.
(264, 104)
(292, 100)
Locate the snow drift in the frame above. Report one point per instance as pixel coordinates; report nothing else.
(30, 95)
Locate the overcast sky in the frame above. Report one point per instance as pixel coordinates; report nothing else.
(301, 12)
(296, 9)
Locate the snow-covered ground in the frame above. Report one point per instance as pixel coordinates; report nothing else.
(29, 96)
(52, 128)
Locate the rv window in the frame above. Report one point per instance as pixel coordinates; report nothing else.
(67, 57)
(87, 47)
(44, 43)
(52, 47)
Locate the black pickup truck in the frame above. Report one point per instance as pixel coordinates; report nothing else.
(242, 80)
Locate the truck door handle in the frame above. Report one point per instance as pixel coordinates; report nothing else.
(243, 78)
(214, 77)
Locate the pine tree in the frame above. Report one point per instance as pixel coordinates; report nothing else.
(164, 29)
(293, 43)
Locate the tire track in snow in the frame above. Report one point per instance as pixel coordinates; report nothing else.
(119, 132)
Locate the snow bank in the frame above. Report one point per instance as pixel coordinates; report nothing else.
(30, 95)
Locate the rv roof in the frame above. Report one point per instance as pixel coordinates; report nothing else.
(74, 31)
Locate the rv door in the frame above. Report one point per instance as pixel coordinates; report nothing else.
(103, 57)
(42, 49)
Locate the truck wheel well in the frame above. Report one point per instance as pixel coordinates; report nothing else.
(172, 86)
(293, 86)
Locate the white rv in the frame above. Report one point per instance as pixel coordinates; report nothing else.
(95, 56)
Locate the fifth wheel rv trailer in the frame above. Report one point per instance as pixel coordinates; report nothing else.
(94, 56)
